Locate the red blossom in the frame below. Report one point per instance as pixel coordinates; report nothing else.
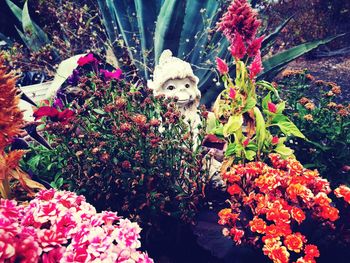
(246, 142)
(234, 189)
(311, 252)
(221, 66)
(256, 67)
(88, 59)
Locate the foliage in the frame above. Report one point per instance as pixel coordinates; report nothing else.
(251, 133)
(314, 107)
(139, 33)
(59, 226)
(60, 30)
(270, 204)
(11, 121)
(123, 148)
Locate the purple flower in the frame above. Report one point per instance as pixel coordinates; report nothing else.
(74, 78)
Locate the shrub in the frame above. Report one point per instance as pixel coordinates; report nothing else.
(123, 148)
(315, 106)
(269, 204)
(59, 226)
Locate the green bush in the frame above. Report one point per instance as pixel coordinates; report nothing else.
(314, 106)
(124, 149)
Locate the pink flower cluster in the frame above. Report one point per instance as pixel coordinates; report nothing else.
(59, 226)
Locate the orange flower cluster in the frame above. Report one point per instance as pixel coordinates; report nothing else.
(343, 192)
(11, 121)
(268, 203)
(11, 117)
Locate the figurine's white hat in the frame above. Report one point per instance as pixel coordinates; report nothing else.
(170, 67)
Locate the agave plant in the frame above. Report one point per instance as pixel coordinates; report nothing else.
(140, 31)
(32, 35)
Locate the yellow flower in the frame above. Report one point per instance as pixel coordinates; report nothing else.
(308, 117)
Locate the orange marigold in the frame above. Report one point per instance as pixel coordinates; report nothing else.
(295, 242)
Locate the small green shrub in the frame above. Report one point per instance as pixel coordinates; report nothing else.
(124, 149)
(314, 106)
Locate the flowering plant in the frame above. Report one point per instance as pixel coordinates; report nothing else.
(315, 106)
(11, 122)
(123, 148)
(250, 133)
(60, 226)
(269, 204)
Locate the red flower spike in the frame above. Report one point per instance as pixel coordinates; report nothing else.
(232, 93)
(65, 115)
(255, 46)
(272, 107)
(239, 18)
(88, 59)
(256, 67)
(237, 48)
(221, 66)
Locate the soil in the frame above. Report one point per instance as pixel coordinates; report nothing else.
(335, 69)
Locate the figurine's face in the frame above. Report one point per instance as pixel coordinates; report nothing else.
(184, 89)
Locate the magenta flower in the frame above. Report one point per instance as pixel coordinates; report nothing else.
(221, 66)
(108, 75)
(232, 93)
(246, 142)
(272, 107)
(256, 67)
(238, 49)
(88, 59)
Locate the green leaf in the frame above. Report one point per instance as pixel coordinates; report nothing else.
(260, 127)
(250, 103)
(268, 39)
(234, 123)
(289, 128)
(15, 10)
(231, 149)
(99, 111)
(279, 60)
(249, 154)
(266, 100)
(280, 107)
(284, 150)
